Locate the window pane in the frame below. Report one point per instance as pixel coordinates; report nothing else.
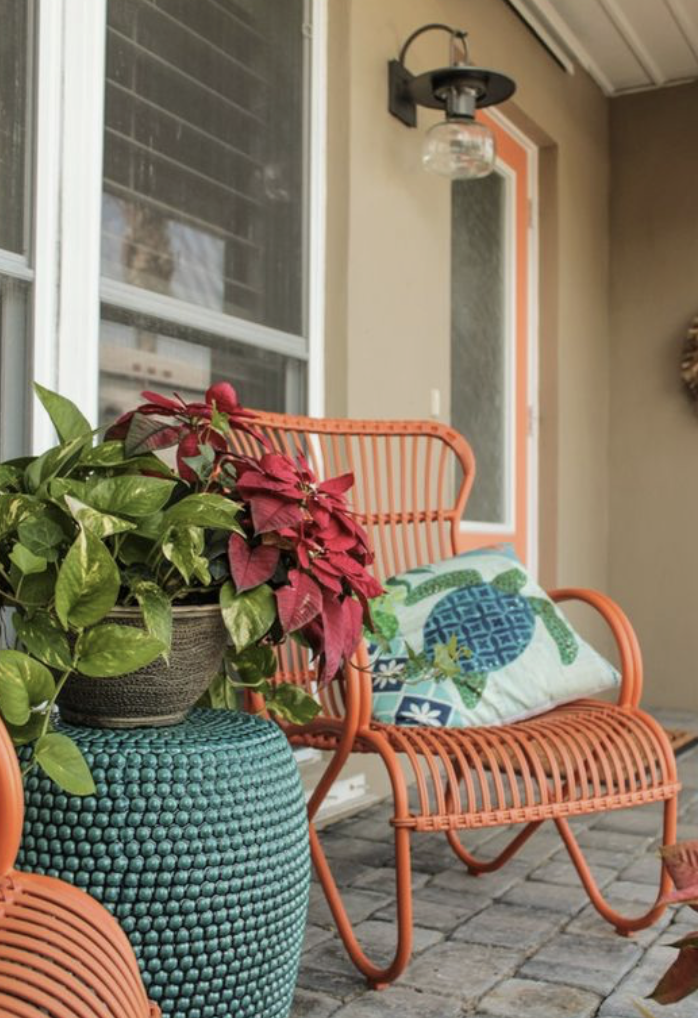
(204, 154)
(479, 338)
(138, 353)
(14, 75)
(14, 374)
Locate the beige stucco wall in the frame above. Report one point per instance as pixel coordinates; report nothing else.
(654, 444)
(388, 315)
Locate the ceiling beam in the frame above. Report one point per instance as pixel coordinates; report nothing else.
(644, 58)
(685, 25)
(541, 15)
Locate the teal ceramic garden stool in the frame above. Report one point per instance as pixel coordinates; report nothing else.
(197, 842)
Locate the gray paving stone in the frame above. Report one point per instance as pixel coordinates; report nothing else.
(539, 847)
(399, 1002)
(457, 879)
(646, 869)
(378, 939)
(342, 985)
(642, 981)
(632, 892)
(307, 1004)
(382, 878)
(315, 935)
(438, 908)
(431, 854)
(534, 894)
(510, 926)
(630, 844)
(561, 871)
(461, 971)
(587, 962)
(369, 828)
(527, 998)
(590, 923)
(643, 820)
(359, 905)
(358, 850)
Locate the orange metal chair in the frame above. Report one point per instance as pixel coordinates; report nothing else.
(61, 954)
(412, 483)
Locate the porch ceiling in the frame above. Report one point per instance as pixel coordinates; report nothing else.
(626, 45)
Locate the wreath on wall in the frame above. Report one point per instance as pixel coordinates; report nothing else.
(689, 361)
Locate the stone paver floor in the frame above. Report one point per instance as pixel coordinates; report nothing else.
(519, 943)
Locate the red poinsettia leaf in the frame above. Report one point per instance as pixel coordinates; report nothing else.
(337, 485)
(270, 513)
(190, 445)
(163, 402)
(680, 980)
(353, 625)
(303, 555)
(299, 602)
(251, 566)
(119, 429)
(681, 860)
(333, 633)
(250, 482)
(326, 576)
(147, 433)
(279, 466)
(224, 396)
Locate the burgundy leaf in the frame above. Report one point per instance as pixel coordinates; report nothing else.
(146, 434)
(681, 860)
(299, 602)
(224, 396)
(163, 402)
(249, 483)
(353, 625)
(119, 429)
(325, 575)
(333, 630)
(681, 979)
(251, 566)
(269, 513)
(275, 464)
(190, 446)
(337, 485)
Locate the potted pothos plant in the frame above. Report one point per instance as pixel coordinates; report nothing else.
(163, 564)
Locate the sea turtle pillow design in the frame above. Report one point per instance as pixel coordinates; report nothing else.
(474, 640)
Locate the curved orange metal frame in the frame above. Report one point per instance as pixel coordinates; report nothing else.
(581, 758)
(61, 954)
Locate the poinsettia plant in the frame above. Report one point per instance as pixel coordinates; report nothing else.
(86, 527)
(298, 561)
(681, 979)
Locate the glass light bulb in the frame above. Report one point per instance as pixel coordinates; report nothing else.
(459, 149)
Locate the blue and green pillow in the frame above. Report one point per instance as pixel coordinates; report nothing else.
(473, 640)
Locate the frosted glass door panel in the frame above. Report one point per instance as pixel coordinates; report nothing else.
(479, 358)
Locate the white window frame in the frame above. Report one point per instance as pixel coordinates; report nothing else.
(68, 289)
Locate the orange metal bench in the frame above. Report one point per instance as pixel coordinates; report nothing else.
(61, 954)
(412, 482)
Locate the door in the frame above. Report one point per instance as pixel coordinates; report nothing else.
(493, 344)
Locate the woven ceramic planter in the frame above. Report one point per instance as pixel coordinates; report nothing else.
(159, 694)
(197, 841)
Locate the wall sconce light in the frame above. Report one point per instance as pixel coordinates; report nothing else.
(458, 147)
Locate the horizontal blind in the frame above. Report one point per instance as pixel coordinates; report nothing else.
(205, 111)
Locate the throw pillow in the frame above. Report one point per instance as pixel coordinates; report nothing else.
(473, 640)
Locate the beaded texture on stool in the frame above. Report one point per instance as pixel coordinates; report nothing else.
(197, 842)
